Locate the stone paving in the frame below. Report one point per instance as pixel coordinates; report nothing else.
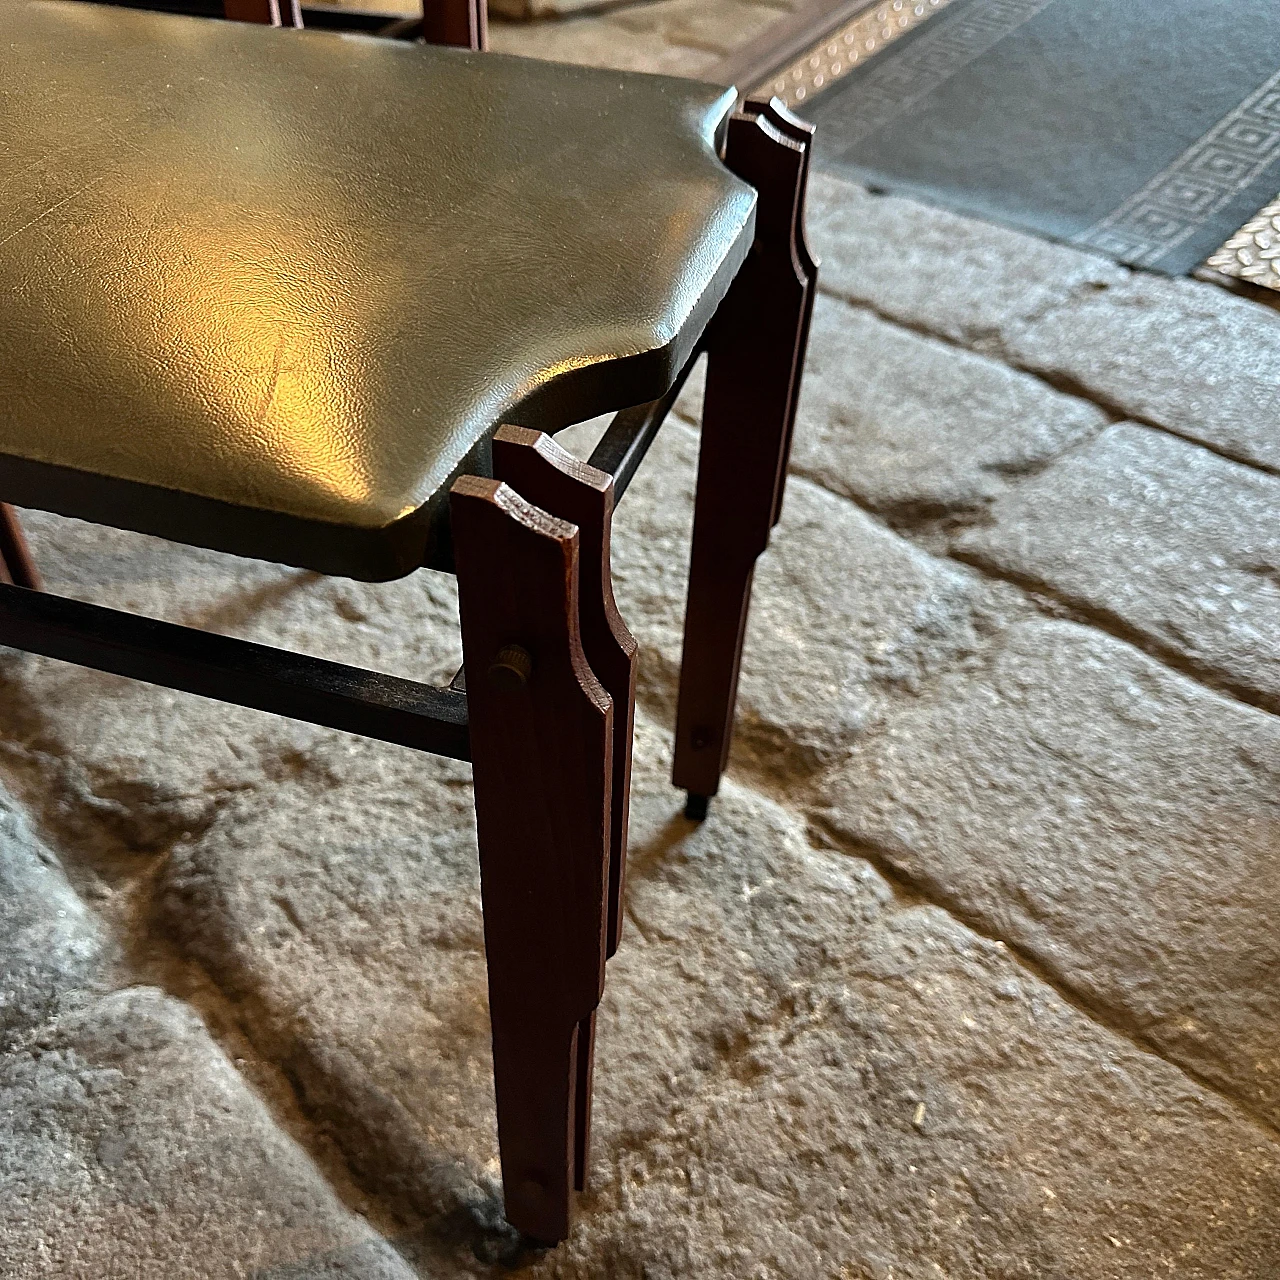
(969, 975)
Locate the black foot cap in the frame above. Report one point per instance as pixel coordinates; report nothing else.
(695, 807)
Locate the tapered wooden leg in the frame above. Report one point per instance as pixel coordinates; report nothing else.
(16, 563)
(552, 478)
(539, 469)
(541, 745)
(799, 131)
(463, 23)
(756, 354)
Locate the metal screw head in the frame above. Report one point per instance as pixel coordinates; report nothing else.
(511, 669)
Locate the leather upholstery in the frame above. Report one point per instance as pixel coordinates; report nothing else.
(269, 291)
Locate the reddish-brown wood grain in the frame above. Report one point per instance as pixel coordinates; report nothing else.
(542, 752)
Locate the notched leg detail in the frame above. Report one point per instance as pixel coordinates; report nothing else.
(756, 355)
(541, 744)
(539, 469)
(774, 110)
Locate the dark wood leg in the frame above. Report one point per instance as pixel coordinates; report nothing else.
(541, 730)
(540, 470)
(16, 564)
(801, 132)
(586, 1069)
(270, 13)
(756, 354)
(464, 23)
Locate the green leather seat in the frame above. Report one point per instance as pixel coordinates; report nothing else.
(269, 291)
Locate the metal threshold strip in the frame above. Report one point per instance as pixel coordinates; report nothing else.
(834, 51)
(1251, 256)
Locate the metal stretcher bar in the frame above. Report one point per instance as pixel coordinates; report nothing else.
(237, 671)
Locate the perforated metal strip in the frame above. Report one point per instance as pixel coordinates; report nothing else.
(849, 46)
(1253, 253)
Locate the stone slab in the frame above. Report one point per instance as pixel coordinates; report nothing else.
(797, 1075)
(845, 616)
(52, 948)
(1170, 541)
(916, 428)
(944, 274)
(343, 922)
(394, 8)
(1115, 821)
(671, 37)
(1181, 354)
(603, 44)
(131, 1147)
(531, 10)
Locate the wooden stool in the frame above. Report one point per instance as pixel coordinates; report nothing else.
(323, 309)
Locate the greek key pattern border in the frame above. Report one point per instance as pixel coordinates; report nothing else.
(1205, 177)
(932, 59)
(1152, 221)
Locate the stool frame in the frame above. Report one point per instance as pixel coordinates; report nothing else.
(543, 706)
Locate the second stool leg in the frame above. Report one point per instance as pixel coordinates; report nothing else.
(542, 752)
(539, 469)
(756, 353)
(456, 22)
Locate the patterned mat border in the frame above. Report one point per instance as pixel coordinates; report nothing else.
(1215, 168)
(1251, 255)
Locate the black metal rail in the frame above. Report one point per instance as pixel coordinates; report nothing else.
(237, 671)
(626, 440)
